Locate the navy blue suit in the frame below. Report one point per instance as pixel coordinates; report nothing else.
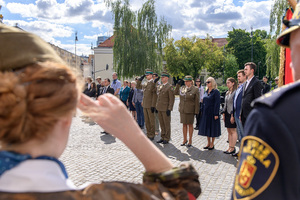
(238, 102)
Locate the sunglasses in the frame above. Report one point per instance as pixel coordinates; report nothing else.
(207, 82)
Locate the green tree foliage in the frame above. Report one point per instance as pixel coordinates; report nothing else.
(273, 50)
(277, 12)
(231, 66)
(139, 38)
(240, 42)
(272, 57)
(189, 56)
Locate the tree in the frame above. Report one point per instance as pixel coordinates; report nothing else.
(191, 55)
(139, 38)
(272, 57)
(231, 66)
(240, 43)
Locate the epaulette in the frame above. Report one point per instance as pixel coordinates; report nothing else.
(270, 99)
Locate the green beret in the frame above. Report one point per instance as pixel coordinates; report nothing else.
(149, 71)
(188, 78)
(292, 25)
(20, 48)
(166, 74)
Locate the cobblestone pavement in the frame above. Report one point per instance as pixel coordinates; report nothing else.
(92, 157)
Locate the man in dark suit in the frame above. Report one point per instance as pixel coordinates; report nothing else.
(99, 86)
(266, 86)
(237, 104)
(107, 88)
(251, 90)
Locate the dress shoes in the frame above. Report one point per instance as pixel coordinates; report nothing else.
(235, 154)
(183, 144)
(189, 145)
(230, 152)
(165, 142)
(196, 128)
(211, 148)
(206, 147)
(160, 141)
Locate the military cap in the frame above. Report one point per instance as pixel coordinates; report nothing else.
(292, 25)
(165, 74)
(20, 48)
(188, 78)
(149, 71)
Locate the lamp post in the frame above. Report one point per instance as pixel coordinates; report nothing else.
(224, 50)
(76, 39)
(251, 44)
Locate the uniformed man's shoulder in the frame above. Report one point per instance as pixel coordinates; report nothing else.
(278, 95)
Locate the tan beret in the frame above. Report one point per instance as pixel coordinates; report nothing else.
(20, 48)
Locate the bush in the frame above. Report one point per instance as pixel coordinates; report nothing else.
(222, 89)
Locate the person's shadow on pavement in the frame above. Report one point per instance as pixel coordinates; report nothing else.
(108, 138)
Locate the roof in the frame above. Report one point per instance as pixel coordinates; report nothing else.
(220, 41)
(108, 43)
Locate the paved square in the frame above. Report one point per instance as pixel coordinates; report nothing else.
(93, 157)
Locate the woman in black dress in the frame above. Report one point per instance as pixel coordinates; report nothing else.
(228, 115)
(210, 121)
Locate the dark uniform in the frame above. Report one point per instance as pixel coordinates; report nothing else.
(164, 106)
(269, 166)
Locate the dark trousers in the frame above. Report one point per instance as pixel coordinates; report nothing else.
(139, 114)
(198, 116)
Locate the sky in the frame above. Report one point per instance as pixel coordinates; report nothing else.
(56, 21)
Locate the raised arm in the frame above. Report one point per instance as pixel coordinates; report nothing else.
(106, 111)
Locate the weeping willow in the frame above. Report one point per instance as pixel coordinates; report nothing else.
(138, 38)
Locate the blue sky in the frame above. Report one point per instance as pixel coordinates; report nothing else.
(56, 21)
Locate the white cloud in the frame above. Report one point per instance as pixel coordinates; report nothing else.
(55, 21)
(2, 3)
(46, 30)
(90, 37)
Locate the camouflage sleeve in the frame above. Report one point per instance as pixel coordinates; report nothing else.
(179, 181)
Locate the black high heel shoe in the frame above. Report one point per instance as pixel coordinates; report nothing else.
(206, 147)
(230, 152)
(211, 148)
(184, 144)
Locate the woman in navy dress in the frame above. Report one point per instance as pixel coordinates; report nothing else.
(210, 121)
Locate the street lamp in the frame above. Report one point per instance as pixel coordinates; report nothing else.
(224, 50)
(251, 44)
(76, 39)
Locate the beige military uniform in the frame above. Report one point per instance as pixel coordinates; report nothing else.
(165, 101)
(149, 100)
(189, 103)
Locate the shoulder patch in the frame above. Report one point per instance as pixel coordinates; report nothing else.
(271, 98)
(256, 169)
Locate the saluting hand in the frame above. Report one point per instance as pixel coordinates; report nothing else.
(216, 117)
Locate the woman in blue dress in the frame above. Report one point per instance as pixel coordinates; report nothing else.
(124, 93)
(210, 121)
